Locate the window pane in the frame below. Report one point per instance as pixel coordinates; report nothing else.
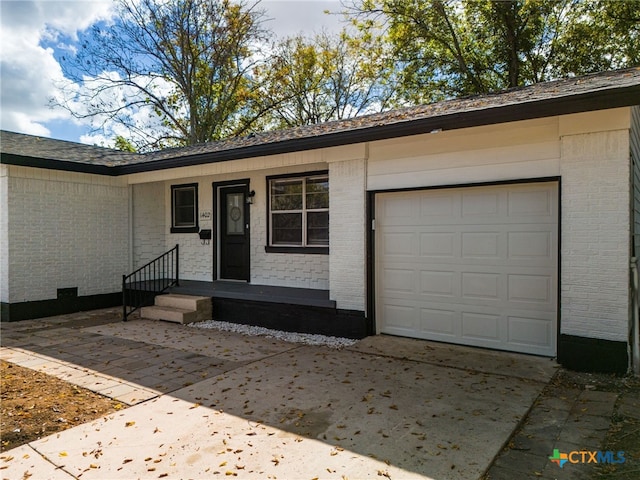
(185, 217)
(318, 193)
(286, 195)
(235, 213)
(318, 228)
(184, 197)
(184, 202)
(286, 228)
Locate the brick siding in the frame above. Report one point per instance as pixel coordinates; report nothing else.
(595, 235)
(66, 230)
(148, 222)
(347, 233)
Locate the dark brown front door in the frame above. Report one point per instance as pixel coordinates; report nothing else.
(234, 233)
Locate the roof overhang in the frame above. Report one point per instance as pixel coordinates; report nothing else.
(474, 115)
(592, 101)
(52, 164)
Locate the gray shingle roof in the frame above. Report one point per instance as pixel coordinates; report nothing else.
(591, 92)
(47, 148)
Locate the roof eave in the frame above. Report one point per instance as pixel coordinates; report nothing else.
(60, 165)
(591, 101)
(605, 98)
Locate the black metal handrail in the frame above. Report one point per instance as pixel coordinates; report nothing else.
(140, 287)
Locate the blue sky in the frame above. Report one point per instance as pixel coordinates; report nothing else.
(34, 35)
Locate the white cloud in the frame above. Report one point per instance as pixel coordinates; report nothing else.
(29, 71)
(32, 31)
(292, 17)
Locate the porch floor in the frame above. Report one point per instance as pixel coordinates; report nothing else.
(257, 293)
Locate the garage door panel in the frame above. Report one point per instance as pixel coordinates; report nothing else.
(525, 244)
(483, 327)
(538, 203)
(440, 322)
(399, 243)
(485, 245)
(435, 282)
(399, 280)
(475, 266)
(437, 244)
(534, 333)
(443, 206)
(398, 209)
(484, 286)
(401, 317)
(531, 288)
(484, 205)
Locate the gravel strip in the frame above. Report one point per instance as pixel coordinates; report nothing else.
(293, 337)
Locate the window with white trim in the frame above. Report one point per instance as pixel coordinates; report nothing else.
(299, 211)
(184, 208)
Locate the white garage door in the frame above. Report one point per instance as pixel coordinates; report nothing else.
(475, 265)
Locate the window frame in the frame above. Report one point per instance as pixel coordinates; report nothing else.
(306, 249)
(184, 228)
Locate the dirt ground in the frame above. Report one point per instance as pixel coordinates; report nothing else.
(34, 405)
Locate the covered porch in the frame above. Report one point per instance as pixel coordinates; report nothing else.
(221, 289)
(302, 310)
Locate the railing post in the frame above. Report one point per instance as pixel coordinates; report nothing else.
(177, 264)
(124, 298)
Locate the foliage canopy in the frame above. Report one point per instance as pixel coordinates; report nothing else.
(180, 72)
(449, 48)
(173, 72)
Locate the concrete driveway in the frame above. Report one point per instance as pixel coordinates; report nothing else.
(217, 404)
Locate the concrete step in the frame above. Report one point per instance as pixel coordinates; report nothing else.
(186, 302)
(170, 314)
(179, 308)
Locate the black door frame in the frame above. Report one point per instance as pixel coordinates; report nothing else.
(217, 186)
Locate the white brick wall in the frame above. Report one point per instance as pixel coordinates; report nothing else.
(283, 269)
(347, 185)
(594, 170)
(65, 230)
(595, 235)
(148, 222)
(589, 151)
(4, 234)
(196, 260)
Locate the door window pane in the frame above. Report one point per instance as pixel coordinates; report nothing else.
(235, 214)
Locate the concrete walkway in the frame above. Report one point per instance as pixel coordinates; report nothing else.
(207, 404)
